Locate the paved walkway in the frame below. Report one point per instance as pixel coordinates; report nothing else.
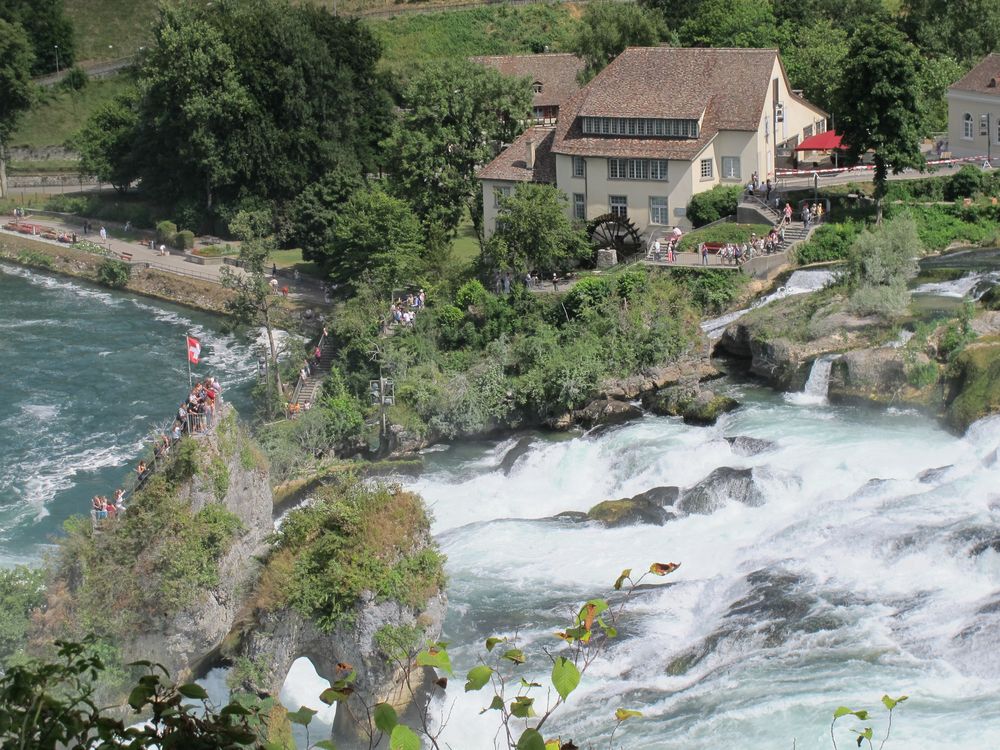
(174, 263)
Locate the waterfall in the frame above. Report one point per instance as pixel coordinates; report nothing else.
(818, 384)
(973, 285)
(800, 282)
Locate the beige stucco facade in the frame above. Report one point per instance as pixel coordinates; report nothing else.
(965, 124)
(734, 156)
(490, 209)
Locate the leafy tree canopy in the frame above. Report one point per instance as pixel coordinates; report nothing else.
(534, 232)
(15, 86)
(251, 98)
(107, 143)
(878, 103)
(731, 23)
(47, 27)
(814, 59)
(607, 28)
(375, 235)
(966, 30)
(455, 113)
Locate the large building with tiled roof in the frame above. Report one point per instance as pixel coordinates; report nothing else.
(554, 78)
(974, 111)
(660, 124)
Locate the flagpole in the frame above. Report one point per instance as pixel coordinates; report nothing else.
(187, 356)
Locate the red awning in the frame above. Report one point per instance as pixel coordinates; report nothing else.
(825, 141)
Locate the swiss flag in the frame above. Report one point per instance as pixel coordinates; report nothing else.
(194, 350)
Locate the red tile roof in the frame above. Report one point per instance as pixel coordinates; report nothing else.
(556, 72)
(982, 79)
(724, 88)
(511, 163)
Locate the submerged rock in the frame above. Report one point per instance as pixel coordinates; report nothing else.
(981, 547)
(930, 476)
(718, 488)
(662, 497)
(521, 447)
(749, 446)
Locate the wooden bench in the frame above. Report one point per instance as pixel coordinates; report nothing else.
(712, 247)
(126, 256)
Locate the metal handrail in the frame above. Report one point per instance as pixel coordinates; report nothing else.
(300, 383)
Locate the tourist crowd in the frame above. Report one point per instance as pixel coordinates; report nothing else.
(196, 414)
(404, 310)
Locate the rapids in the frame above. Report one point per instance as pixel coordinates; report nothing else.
(868, 570)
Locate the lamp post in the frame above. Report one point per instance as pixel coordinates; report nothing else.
(56, 47)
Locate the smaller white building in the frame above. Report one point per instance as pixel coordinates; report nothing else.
(974, 111)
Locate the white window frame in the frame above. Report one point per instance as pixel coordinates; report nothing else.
(984, 125)
(967, 126)
(655, 215)
(579, 206)
(707, 169)
(579, 167)
(730, 173)
(618, 205)
(659, 170)
(617, 168)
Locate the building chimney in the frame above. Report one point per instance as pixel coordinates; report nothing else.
(530, 161)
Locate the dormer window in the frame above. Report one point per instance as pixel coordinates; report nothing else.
(642, 127)
(537, 87)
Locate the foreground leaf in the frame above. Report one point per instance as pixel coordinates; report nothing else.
(530, 740)
(565, 677)
(385, 718)
(403, 738)
(626, 713)
(477, 677)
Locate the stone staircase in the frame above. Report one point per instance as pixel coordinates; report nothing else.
(309, 388)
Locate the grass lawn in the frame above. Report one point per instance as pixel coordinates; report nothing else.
(109, 29)
(58, 113)
(293, 259)
(487, 30)
(465, 246)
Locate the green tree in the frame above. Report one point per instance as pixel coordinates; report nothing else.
(880, 263)
(879, 103)
(253, 302)
(814, 59)
(935, 76)
(731, 23)
(47, 27)
(15, 87)
(378, 236)
(114, 273)
(312, 214)
(253, 99)
(607, 28)
(106, 143)
(534, 232)
(965, 30)
(454, 114)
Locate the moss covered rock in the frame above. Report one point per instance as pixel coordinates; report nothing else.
(627, 512)
(975, 386)
(697, 406)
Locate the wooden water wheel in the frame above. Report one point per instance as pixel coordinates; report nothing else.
(612, 230)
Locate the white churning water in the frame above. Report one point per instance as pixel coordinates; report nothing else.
(869, 568)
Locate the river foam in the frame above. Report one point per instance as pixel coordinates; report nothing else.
(856, 577)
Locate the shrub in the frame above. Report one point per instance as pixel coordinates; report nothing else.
(184, 240)
(714, 204)
(631, 283)
(965, 183)
(828, 242)
(21, 592)
(471, 294)
(712, 289)
(166, 232)
(76, 79)
(114, 273)
(587, 293)
(881, 262)
(34, 258)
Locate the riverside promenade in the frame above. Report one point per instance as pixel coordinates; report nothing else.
(136, 252)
